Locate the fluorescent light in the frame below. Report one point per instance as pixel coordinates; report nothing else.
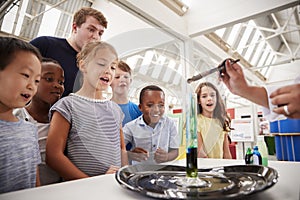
(176, 5)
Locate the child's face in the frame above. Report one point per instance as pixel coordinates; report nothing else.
(121, 82)
(19, 80)
(100, 70)
(51, 85)
(152, 106)
(208, 99)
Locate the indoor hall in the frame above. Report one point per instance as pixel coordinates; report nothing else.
(167, 42)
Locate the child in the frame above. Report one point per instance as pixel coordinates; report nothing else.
(85, 123)
(153, 136)
(213, 123)
(120, 87)
(20, 72)
(50, 89)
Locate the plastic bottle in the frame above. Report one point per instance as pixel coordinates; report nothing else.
(257, 160)
(249, 157)
(263, 150)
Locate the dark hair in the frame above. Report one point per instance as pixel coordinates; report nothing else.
(124, 67)
(80, 16)
(220, 110)
(149, 87)
(46, 60)
(9, 46)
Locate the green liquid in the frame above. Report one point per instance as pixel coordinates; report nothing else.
(265, 162)
(191, 163)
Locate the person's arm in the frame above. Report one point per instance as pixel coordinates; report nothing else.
(55, 146)
(235, 81)
(38, 182)
(138, 154)
(201, 152)
(124, 156)
(226, 150)
(161, 156)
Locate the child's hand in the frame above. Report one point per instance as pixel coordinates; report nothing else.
(160, 156)
(202, 154)
(112, 169)
(138, 154)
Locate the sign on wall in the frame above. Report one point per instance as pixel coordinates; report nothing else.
(243, 130)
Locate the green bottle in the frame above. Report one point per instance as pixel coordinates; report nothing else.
(249, 156)
(191, 139)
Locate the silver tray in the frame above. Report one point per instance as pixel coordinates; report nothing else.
(225, 182)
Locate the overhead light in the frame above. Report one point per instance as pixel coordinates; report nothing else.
(176, 5)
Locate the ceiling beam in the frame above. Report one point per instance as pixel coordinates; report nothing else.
(235, 55)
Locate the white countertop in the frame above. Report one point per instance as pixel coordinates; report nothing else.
(106, 186)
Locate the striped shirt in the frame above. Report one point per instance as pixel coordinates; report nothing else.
(93, 143)
(19, 155)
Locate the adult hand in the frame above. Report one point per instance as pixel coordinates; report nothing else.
(138, 154)
(161, 156)
(234, 78)
(289, 96)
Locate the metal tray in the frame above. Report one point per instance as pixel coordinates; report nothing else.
(225, 182)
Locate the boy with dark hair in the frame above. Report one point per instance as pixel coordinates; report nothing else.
(20, 73)
(153, 135)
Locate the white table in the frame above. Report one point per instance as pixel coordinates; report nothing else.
(106, 187)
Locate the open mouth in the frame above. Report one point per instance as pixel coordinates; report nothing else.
(26, 96)
(104, 79)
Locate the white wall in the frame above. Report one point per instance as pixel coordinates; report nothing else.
(126, 32)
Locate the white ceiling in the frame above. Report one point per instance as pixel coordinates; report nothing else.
(158, 43)
(276, 21)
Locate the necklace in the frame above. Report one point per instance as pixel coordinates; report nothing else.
(89, 99)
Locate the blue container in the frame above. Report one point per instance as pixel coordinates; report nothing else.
(293, 150)
(274, 127)
(287, 139)
(281, 147)
(289, 126)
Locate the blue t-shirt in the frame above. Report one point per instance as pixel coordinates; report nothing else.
(60, 50)
(131, 112)
(19, 155)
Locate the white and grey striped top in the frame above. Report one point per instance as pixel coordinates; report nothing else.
(93, 144)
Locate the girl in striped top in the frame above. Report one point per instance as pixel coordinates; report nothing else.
(85, 136)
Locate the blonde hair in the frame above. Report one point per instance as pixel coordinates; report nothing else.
(90, 49)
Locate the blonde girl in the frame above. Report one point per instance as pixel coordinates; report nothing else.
(85, 137)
